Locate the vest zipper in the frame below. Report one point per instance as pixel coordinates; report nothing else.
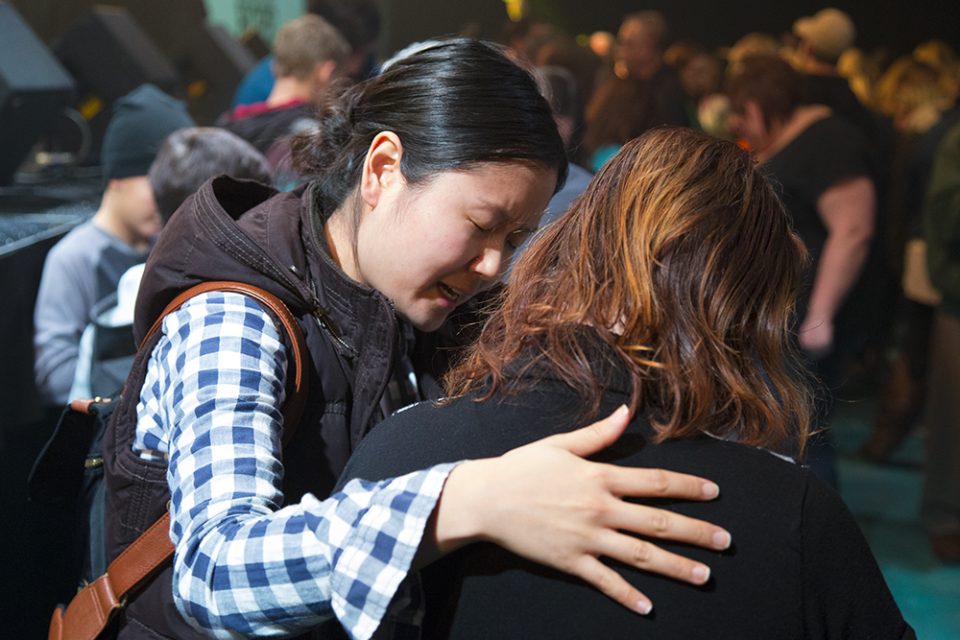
(327, 325)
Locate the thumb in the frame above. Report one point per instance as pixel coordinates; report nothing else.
(588, 440)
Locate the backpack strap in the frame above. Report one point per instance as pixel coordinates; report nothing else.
(94, 606)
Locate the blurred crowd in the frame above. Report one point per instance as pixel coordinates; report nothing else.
(860, 144)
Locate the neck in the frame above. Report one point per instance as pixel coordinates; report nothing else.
(649, 69)
(339, 235)
(107, 219)
(289, 89)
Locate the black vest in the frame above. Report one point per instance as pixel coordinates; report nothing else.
(243, 231)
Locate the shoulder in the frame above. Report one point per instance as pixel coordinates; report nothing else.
(845, 593)
(224, 309)
(222, 330)
(839, 136)
(435, 428)
(823, 507)
(421, 436)
(751, 480)
(82, 244)
(753, 463)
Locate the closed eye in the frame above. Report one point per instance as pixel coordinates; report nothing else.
(518, 237)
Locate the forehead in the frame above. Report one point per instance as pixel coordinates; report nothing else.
(632, 31)
(511, 189)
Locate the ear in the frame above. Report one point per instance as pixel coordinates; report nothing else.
(751, 108)
(323, 72)
(381, 168)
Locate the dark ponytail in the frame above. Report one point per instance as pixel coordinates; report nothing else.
(454, 104)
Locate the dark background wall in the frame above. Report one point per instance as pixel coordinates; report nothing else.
(898, 26)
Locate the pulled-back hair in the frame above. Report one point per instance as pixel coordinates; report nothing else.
(455, 104)
(683, 260)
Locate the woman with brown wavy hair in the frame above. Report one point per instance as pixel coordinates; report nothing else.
(669, 287)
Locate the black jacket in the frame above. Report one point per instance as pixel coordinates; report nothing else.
(798, 568)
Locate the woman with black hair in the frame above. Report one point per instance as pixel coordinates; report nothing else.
(426, 178)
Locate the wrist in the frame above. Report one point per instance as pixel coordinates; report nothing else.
(460, 512)
(815, 319)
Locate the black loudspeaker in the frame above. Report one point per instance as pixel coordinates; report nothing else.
(220, 58)
(217, 62)
(110, 55)
(33, 90)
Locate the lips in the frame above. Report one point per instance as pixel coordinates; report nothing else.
(451, 294)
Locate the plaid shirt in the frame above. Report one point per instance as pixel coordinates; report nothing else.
(243, 565)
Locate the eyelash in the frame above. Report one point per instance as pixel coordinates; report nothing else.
(522, 233)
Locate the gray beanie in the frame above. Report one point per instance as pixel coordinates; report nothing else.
(141, 121)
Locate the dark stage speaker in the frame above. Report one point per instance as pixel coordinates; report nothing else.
(33, 90)
(219, 57)
(110, 55)
(216, 63)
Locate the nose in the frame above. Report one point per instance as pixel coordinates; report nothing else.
(491, 262)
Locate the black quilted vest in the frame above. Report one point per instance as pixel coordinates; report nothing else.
(233, 230)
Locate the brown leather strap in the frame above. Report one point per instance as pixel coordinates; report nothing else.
(144, 556)
(94, 606)
(91, 610)
(293, 407)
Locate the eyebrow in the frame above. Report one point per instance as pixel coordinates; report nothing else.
(502, 216)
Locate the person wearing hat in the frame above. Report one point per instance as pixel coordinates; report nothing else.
(86, 265)
(823, 37)
(187, 158)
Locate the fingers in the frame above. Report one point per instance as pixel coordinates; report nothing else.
(658, 483)
(590, 439)
(649, 557)
(666, 525)
(612, 585)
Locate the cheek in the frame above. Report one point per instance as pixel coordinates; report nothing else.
(147, 206)
(456, 251)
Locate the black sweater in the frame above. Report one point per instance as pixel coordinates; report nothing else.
(799, 566)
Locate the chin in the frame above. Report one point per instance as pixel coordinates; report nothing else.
(426, 322)
(429, 325)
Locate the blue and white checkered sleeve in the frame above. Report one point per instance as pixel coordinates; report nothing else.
(243, 566)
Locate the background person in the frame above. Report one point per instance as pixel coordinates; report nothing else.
(187, 158)
(86, 265)
(308, 55)
(824, 171)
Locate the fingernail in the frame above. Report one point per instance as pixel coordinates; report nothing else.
(701, 574)
(644, 607)
(621, 411)
(710, 490)
(721, 540)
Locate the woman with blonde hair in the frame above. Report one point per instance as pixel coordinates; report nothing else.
(668, 286)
